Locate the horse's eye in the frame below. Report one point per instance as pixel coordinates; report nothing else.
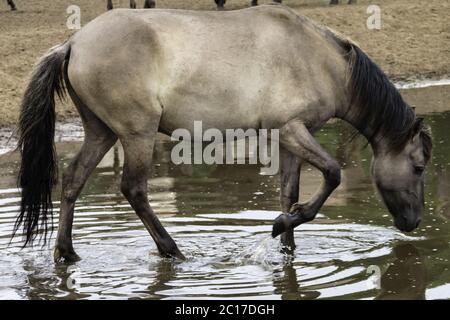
(419, 169)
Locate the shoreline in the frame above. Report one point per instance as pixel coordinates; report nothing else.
(70, 129)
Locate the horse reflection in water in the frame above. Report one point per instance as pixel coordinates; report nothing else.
(406, 277)
(158, 71)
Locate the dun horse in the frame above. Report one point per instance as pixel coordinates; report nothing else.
(159, 70)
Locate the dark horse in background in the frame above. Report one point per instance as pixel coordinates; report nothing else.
(151, 3)
(220, 3)
(12, 5)
(152, 74)
(147, 4)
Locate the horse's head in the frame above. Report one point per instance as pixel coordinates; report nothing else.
(399, 176)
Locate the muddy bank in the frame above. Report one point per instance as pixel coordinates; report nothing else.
(411, 45)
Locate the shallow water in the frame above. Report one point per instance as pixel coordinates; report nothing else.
(221, 218)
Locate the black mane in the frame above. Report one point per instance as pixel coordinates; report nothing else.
(377, 102)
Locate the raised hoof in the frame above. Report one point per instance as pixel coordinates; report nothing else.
(281, 224)
(67, 256)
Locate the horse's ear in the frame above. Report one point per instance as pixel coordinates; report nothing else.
(418, 125)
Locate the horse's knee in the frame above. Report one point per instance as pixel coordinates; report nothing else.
(333, 174)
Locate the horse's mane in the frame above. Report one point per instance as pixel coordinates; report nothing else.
(377, 102)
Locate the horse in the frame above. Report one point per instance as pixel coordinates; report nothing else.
(12, 5)
(160, 70)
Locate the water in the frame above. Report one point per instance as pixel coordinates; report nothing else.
(221, 218)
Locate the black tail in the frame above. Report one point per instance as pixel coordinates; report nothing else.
(39, 169)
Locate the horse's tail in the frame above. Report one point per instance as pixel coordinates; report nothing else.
(39, 169)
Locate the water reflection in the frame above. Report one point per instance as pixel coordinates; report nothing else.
(406, 277)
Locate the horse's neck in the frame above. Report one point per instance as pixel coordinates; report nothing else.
(349, 115)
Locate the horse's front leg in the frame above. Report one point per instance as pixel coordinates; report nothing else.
(296, 138)
(290, 166)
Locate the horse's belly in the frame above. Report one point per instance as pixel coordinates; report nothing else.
(186, 111)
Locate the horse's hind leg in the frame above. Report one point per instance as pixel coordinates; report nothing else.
(98, 140)
(138, 150)
(290, 166)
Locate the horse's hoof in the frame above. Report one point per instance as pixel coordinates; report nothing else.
(280, 225)
(67, 256)
(169, 249)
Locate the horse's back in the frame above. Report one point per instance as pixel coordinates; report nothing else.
(239, 63)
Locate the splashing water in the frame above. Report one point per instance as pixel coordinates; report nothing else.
(263, 253)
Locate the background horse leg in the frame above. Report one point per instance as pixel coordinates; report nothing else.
(12, 5)
(138, 149)
(296, 138)
(220, 4)
(149, 4)
(254, 2)
(290, 166)
(132, 4)
(109, 5)
(98, 140)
